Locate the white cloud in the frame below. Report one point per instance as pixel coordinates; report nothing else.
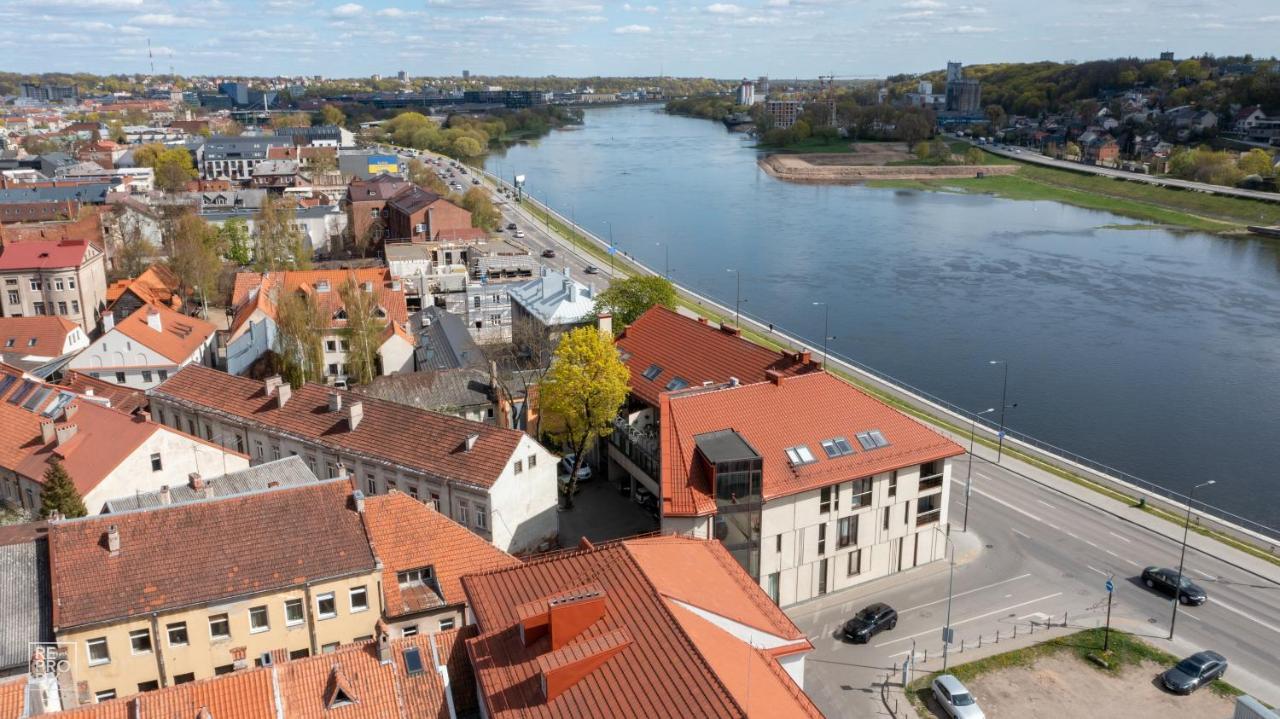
(164, 19)
(722, 8)
(970, 29)
(95, 4)
(777, 3)
(632, 30)
(392, 12)
(348, 10)
(923, 4)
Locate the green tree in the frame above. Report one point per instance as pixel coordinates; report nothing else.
(172, 165)
(483, 213)
(422, 175)
(1072, 151)
(626, 299)
(299, 335)
(1155, 73)
(582, 393)
(1257, 162)
(363, 331)
(280, 244)
(332, 116)
(133, 253)
(974, 156)
(292, 119)
(234, 238)
(996, 116)
(921, 150)
(322, 161)
(1191, 70)
(468, 146)
(195, 253)
(60, 494)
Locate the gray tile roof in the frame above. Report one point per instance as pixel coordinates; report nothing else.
(26, 606)
(445, 342)
(440, 391)
(555, 299)
(287, 472)
(90, 192)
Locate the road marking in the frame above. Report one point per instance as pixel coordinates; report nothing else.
(1250, 617)
(1099, 571)
(1117, 536)
(1034, 615)
(1206, 575)
(970, 591)
(1020, 534)
(1053, 526)
(997, 500)
(970, 619)
(1050, 506)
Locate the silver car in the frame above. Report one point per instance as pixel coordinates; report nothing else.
(954, 699)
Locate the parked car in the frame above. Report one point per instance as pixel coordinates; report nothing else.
(646, 499)
(592, 269)
(1164, 580)
(519, 233)
(511, 225)
(475, 181)
(566, 465)
(1194, 672)
(547, 252)
(869, 622)
(954, 699)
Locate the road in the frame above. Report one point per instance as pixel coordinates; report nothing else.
(1036, 554)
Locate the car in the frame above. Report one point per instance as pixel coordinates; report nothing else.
(1194, 672)
(566, 464)
(475, 181)
(872, 620)
(1164, 580)
(519, 233)
(511, 225)
(592, 270)
(954, 699)
(548, 253)
(498, 228)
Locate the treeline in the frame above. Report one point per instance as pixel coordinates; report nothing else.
(466, 136)
(711, 107)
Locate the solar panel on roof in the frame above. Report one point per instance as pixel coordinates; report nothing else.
(413, 661)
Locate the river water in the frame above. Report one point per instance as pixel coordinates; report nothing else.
(1152, 351)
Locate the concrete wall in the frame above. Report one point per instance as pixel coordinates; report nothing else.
(256, 336)
(524, 515)
(396, 355)
(1249, 708)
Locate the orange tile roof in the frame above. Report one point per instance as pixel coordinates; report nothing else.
(407, 534)
(390, 300)
(12, 699)
(772, 417)
(381, 434)
(313, 531)
(122, 399)
(665, 670)
(239, 695)
(104, 438)
(49, 332)
(179, 336)
(155, 285)
(695, 352)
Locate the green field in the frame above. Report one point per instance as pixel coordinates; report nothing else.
(812, 145)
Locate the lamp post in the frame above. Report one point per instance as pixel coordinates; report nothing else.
(1186, 529)
(968, 480)
(737, 302)
(946, 630)
(826, 329)
(1004, 393)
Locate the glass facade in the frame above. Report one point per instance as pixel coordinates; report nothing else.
(738, 504)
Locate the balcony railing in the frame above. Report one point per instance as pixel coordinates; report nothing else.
(931, 482)
(928, 517)
(639, 446)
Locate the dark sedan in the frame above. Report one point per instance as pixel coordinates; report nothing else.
(1165, 580)
(1194, 672)
(869, 622)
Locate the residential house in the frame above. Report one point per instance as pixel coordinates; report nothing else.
(40, 346)
(322, 226)
(659, 626)
(488, 305)
(235, 157)
(156, 285)
(479, 395)
(500, 483)
(418, 215)
(25, 597)
(143, 349)
(444, 343)
(1101, 149)
(108, 394)
(366, 204)
(545, 308)
(274, 174)
(286, 472)
(1247, 118)
(320, 135)
(65, 278)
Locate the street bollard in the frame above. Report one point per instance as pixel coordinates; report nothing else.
(979, 641)
(962, 645)
(997, 636)
(1015, 631)
(1064, 620)
(926, 656)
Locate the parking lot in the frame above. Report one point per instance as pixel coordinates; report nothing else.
(600, 513)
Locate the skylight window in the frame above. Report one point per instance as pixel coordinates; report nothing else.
(677, 383)
(652, 372)
(872, 440)
(799, 455)
(623, 354)
(836, 447)
(413, 661)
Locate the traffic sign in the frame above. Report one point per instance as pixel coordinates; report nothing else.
(1111, 587)
(948, 635)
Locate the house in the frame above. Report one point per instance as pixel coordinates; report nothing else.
(25, 597)
(500, 483)
(255, 298)
(366, 204)
(143, 349)
(108, 394)
(322, 226)
(235, 157)
(106, 452)
(657, 626)
(1247, 118)
(40, 346)
(320, 135)
(1100, 149)
(494, 271)
(287, 472)
(467, 392)
(550, 306)
(156, 285)
(274, 174)
(444, 343)
(418, 215)
(812, 485)
(53, 277)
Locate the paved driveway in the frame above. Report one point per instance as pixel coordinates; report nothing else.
(600, 513)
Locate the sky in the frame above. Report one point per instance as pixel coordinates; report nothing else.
(743, 38)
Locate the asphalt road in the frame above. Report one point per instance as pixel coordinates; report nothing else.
(1036, 554)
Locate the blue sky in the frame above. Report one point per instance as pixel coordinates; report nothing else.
(779, 38)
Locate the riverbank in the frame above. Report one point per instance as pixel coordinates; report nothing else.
(877, 162)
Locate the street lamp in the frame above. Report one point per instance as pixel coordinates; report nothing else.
(826, 333)
(1004, 393)
(968, 480)
(1186, 529)
(737, 302)
(946, 630)
(666, 259)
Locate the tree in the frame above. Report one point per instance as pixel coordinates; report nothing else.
(1191, 70)
(280, 244)
(299, 334)
(322, 161)
(974, 156)
(235, 241)
(996, 116)
(626, 299)
(1257, 162)
(134, 252)
(483, 213)
(1072, 151)
(467, 146)
(582, 393)
(60, 494)
(331, 115)
(423, 176)
(921, 150)
(195, 256)
(172, 165)
(363, 331)
(292, 119)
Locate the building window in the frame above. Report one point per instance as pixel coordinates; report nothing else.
(906, 513)
(177, 634)
(13, 297)
(156, 464)
(35, 285)
(300, 653)
(292, 612)
(371, 484)
(836, 447)
(415, 577)
(98, 653)
(886, 518)
(519, 467)
(778, 543)
(223, 669)
(184, 678)
(38, 308)
(855, 562)
(140, 641)
(191, 427)
(409, 631)
(480, 516)
(822, 538)
(257, 448)
(861, 492)
(219, 627)
(71, 283)
(331, 345)
(119, 377)
(446, 624)
(148, 686)
(774, 583)
(105, 695)
(275, 451)
(329, 648)
(824, 500)
(848, 531)
(163, 374)
(799, 455)
(62, 308)
(258, 620)
(326, 607)
(462, 513)
(359, 599)
(893, 484)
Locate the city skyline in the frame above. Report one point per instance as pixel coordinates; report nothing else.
(586, 38)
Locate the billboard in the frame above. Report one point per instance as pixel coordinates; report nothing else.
(383, 163)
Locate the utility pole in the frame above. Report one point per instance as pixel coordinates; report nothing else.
(737, 302)
(946, 630)
(1186, 529)
(1004, 393)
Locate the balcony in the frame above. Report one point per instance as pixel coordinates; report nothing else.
(928, 517)
(639, 446)
(933, 481)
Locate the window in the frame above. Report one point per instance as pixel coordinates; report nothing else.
(184, 678)
(359, 599)
(836, 447)
(778, 542)
(156, 464)
(223, 669)
(75, 310)
(62, 308)
(824, 500)
(345, 345)
(872, 439)
(480, 516)
(57, 284)
(906, 513)
(333, 369)
(140, 641)
(799, 455)
(104, 695)
(13, 297)
(847, 531)
(861, 492)
(300, 653)
(371, 483)
(677, 383)
(893, 484)
(886, 518)
(931, 469)
(191, 427)
(533, 461)
(219, 627)
(326, 608)
(652, 371)
(855, 562)
(119, 377)
(258, 620)
(774, 583)
(98, 653)
(38, 308)
(148, 686)
(163, 374)
(71, 283)
(462, 513)
(822, 538)
(329, 648)
(292, 612)
(331, 345)
(446, 624)
(177, 634)
(35, 285)
(257, 448)
(409, 631)
(519, 467)
(422, 576)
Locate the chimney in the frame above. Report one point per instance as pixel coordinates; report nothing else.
(471, 441)
(271, 384)
(283, 393)
(64, 433)
(335, 402)
(733, 331)
(604, 323)
(273, 484)
(355, 413)
(46, 431)
(395, 285)
(70, 411)
(108, 321)
(166, 497)
(733, 382)
(384, 643)
(113, 540)
(195, 482)
(774, 376)
(803, 357)
(358, 498)
(153, 319)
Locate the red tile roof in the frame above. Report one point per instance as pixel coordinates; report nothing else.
(45, 255)
(239, 695)
(381, 434)
(772, 417)
(696, 352)
(391, 300)
(407, 534)
(49, 332)
(179, 336)
(122, 399)
(12, 699)
(156, 285)
(656, 665)
(204, 551)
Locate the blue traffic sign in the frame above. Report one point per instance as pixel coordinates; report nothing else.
(613, 250)
(1111, 587)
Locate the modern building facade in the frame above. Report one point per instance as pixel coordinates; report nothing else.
(234, 157)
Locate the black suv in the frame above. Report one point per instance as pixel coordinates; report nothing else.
(869, 622)
(511, 225)
(1164, 580)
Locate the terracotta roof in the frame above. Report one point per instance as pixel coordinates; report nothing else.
(381, 433)
(43, 255)
(122, 399)
(660, 659)
(239, 695)
(380, 188)
(49, 332)
(310, 282)
(408, 534)
(695, 352)
(772, 417)
(156, 285)
(12, 697)
(204, 551)
(179, 336)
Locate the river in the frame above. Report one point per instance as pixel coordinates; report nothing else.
(1152, 351)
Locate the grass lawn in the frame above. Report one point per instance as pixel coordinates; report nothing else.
(812, 145)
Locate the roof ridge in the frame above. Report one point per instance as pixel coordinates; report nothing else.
(788, 683)
(197, 502)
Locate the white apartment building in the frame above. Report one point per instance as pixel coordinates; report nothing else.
(143, 349)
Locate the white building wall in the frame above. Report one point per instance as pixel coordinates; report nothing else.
(524, 515)
(396, 354)
(115, 352)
